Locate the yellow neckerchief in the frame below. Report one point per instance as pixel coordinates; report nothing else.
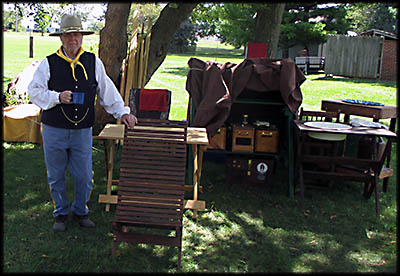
(72, 62)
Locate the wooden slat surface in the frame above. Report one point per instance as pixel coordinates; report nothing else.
(152, 174)
(195, 135)
(112, 131)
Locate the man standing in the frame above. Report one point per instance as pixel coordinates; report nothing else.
(64, 86)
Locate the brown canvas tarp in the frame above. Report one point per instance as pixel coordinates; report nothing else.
(214, 87)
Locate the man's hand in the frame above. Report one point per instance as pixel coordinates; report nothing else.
(129, 120)
(66, 97)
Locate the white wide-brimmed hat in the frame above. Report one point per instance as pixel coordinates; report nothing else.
(70, 24)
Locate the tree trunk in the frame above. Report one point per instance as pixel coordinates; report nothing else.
(268, 26)
(112, 50)
(163, 31)
(113, 43)
(285, 53)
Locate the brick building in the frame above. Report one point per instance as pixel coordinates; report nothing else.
(389, 54)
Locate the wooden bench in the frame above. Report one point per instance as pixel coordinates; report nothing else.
(310, 63)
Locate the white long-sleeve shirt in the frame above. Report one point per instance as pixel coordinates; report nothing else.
(107, 93)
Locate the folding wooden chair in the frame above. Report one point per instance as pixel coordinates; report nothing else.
(315, 115)
(320, 146)
(151, 185)
(150, 103)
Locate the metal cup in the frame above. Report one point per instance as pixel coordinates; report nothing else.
(78, 97)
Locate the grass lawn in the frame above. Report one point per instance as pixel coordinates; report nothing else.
(16, 50)
(241, 230)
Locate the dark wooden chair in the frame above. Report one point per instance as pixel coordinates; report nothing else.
(158, 111)
(315, 115)
(331, 165)
(347, 168)
(150, 103)
(151, 185)
(317, 146)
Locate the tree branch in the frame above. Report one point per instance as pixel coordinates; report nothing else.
(163, 31)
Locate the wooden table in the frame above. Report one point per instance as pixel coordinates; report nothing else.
(370, 111)
(197, 137)
(110, 134)
(374, 165)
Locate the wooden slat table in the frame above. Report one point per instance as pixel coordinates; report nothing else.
(197, 137)
(110, 134)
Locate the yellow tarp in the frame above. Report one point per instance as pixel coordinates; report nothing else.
(21, 123)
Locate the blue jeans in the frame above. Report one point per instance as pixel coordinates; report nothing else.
(70, 148)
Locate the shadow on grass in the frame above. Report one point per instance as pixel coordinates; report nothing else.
(358, 81)
(260, 230)
(219, 51)
(213, 52)
(242, 230)
(180, 71)
(203, 52)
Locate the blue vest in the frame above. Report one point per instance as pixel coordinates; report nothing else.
(72, 116)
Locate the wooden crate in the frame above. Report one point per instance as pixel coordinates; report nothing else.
(242, 138)
(218, 141)
(266, 140)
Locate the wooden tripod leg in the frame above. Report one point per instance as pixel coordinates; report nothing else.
(115, 244)
(195, 177)
(110, 167)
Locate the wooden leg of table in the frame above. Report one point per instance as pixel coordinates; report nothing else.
(385, 184)
(392, 127)
(301, 180)
(195, 177)
(376, 193)
(110, 166)
(389, 155)
(333, 152)
(299, 167)
(290, 152)
(200, 165)
(105, 144)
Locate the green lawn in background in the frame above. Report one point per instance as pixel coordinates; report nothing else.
(172, 72)
(241, 230)
(16, 50)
